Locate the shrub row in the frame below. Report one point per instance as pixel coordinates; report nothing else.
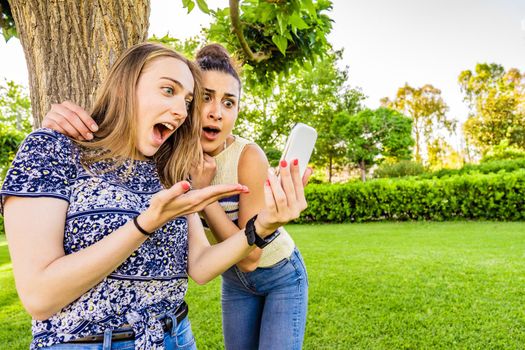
(463, 197)
(493, 166)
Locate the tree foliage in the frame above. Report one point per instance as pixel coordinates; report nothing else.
(15, 109)
(496, 99)
(188, 47)
(373, 135)
(427, 109)
(273, 37)
(7, 23)
(312, 96)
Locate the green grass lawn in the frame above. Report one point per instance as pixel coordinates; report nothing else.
(452, 285)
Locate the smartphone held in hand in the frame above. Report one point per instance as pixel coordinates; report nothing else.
(300, 145)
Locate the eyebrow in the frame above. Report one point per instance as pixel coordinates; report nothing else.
(212, 92)
(178, 83)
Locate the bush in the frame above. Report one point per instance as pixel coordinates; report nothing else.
(495, 166)
(399, 169)
(466, 197)
(10, 140)
(503, 152)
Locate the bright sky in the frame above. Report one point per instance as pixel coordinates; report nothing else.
(386, 43)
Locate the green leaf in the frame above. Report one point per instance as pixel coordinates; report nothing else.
(282, 23)
(9, 33)
(310, 7)
(203, 6)
(296, 21)
(281, 42)
(189, 4)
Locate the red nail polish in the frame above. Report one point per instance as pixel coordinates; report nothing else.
(185, 186)
(283, 163)
(295, 161)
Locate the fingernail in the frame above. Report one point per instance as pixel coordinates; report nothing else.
(94, 127)
(186, 186)
(295, 161)
(283, 163)
(89, 136)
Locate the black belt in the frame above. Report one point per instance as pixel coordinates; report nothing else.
(128, 334)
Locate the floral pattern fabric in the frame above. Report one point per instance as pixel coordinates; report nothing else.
(151, 282)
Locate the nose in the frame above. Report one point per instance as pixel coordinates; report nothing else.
(215, 111)
(179, 109)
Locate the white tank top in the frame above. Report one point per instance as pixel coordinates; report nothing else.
(227, 173)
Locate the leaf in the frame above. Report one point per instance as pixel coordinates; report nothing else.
(282, 23)
(310, 7)
(189, 4)
(203, 6)
(281, 42)
(296, 21)
(9, 33)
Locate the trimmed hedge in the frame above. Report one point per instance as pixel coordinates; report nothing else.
(493, 166)
(477, 196)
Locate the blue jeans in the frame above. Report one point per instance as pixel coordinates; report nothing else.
(180, 338)
(266, 308)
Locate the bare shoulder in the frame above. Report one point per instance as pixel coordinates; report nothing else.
(252, 163)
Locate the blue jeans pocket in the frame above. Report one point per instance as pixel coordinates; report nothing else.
(182, 338)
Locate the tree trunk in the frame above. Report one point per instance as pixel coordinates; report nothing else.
(362, 167)
(330, 165)
(417, 144)
(70, 45)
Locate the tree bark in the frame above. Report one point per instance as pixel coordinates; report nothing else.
(362, 167)
(70, 45)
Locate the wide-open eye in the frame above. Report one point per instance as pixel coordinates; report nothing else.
(188, 104)
(207, 97)
(229, 103)
(168, 90)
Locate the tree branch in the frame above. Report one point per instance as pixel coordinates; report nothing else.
(237, 29)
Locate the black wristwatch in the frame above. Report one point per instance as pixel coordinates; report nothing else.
(254, 238)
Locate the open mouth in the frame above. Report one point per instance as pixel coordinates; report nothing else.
(210, 132)
(162, 131)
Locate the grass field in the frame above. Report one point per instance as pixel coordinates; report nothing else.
(455, 285)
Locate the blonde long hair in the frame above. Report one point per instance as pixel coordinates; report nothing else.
(115, 113)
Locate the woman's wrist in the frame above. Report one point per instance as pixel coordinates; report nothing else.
(148, 222)
(262, 230)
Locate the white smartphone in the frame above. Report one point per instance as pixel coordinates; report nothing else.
(300, 145)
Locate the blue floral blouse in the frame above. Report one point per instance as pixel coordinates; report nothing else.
(151, 282)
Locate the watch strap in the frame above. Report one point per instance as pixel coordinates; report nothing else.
(254, 238)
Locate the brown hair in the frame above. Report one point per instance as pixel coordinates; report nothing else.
(216, 58)
(115, 113)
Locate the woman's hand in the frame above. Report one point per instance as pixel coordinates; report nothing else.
(70, 120)
(179, 201)
(203, 174)
(284, 198)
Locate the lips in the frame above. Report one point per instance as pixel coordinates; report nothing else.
(210, 132)
(161, 132)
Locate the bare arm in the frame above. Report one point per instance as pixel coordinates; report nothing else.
(47, 280)
(283, 201)
(252, 171)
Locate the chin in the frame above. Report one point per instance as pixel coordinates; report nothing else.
(148, 152)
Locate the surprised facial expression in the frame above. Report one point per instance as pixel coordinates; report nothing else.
(220, 110)
(164, 94)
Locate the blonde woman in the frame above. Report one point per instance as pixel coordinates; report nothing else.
(103, 235)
